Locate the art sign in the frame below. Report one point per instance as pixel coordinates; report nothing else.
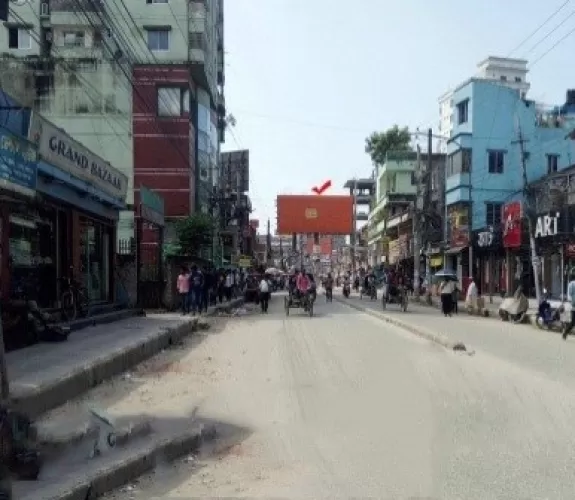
(547, 225)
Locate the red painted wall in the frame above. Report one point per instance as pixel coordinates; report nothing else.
(163, 146)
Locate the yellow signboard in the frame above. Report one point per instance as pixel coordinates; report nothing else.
(245, 263)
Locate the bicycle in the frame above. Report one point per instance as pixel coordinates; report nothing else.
(73, 299)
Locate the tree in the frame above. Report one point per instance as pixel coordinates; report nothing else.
(194, 232)
(394, 139)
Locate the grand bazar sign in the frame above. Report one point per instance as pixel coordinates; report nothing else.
(59, 149)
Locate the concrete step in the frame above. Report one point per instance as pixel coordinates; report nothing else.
(74, 475)
(45, 376)
(57, 435)
(101, 318)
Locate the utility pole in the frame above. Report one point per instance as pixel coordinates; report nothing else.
(416, 221)
(354, 235)
(529, 205)
(269, 245)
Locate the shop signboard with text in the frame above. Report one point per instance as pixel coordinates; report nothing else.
(459, 226)
(56, 147)
(18, 168)
(511, 219)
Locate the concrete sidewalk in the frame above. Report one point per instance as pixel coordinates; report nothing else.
(47, 375)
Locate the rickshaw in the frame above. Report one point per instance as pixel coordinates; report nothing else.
(394, 294)
(370, 291)
(295, 301)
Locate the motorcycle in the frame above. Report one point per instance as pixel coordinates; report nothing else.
(547, 316)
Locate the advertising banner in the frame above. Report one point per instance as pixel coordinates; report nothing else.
(459, 226)
(511, 218)
(18, 169)
(306, 214)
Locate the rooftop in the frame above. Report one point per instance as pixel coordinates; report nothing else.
(360, 183)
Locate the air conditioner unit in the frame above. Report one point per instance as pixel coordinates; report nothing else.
(44, 9)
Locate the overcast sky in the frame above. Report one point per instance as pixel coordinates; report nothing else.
(308, 80)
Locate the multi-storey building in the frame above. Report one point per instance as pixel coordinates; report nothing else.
(140, 84)
(511, 73)
(495, 133)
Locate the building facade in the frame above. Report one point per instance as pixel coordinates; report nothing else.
(59, 216)
(495, 131)
(140, 84)
(511, 73)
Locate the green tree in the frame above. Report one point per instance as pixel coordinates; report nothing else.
(393, 139)
(194, 232)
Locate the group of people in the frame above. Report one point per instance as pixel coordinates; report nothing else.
(198, 288)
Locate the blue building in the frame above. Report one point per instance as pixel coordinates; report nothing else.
(484, 169)
(59, 209)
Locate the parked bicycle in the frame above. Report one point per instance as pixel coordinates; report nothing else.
(74, 298)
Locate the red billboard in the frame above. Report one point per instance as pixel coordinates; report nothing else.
(307, 214)
(511, 219)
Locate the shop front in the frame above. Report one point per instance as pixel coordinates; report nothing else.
(551, 235)
(74, 227)
(489, 260)
(18, 180)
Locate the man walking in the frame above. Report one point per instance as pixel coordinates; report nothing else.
(196, 281)
(264, 294)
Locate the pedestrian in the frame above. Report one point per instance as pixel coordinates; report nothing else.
(571, 298)
(196, 280)
(446, 289)
(228, 285)
(206, 287)
(220, 285)
(183, 285)
(264, 294)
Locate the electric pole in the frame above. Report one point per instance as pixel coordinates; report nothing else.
(416, 221)
(529, 205)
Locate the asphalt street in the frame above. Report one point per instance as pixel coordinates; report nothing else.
(344, 405)
(539, 351)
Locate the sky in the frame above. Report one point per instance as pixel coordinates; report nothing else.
(309, 80)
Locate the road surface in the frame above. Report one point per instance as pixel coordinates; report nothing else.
(344, 405)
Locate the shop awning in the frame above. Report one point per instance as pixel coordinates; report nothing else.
(454, 251)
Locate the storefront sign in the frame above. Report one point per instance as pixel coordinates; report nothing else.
(459, 224)
(18, 169)
(152, 207)
(512, 225)
(485, 238)
(59, 149)
(547, 225)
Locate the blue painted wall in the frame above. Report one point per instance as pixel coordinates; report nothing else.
(494, 112)
(12, 117)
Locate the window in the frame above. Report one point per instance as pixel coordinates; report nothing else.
(463, 112)
(73, 39)
(19, 38)
(493, 214)
(552, 163)
(413, 179)
(159, 40)
(503, 78)
(496, 161)
(156, 1)
(459, 162)
(518, 79)
(173, 101)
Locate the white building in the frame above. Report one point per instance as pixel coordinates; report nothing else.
(507, 72)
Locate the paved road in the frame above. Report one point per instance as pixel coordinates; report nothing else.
(525, 346)
(344, 405)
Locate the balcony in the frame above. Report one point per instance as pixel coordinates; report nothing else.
(79, 52)
(221, 104)
(457, 181)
